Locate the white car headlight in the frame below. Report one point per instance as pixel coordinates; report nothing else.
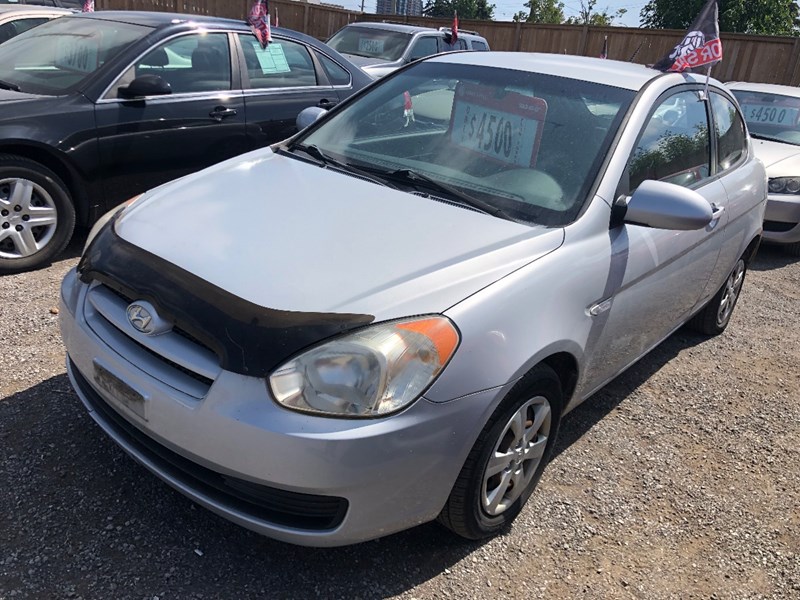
(784, 185)
(369, 373)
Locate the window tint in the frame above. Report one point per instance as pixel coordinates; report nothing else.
(190, 63)
(282, 64)
(674, 145)
(481, 46)
(424, 46)
(336, 74)
(731, 138)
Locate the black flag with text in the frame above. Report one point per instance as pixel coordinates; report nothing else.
(700, 46)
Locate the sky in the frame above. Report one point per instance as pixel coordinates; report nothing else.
(505, 9)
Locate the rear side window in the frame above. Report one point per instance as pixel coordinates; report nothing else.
(480, 46)
(674, 144)
(337, 75)
(459, 45)
(424, 46)
(731, 137)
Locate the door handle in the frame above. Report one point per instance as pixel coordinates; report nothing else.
(716, 211)
(326, 104)
(221, 112)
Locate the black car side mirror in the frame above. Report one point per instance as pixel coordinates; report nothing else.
(145, 85)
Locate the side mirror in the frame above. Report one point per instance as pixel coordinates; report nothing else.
(145, 85)
(663, 205)
(307, 116)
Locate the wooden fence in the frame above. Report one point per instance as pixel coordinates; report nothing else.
(746, 57)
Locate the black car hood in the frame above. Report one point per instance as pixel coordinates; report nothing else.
(9, 96)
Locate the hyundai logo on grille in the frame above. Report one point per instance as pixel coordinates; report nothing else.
(144, 318)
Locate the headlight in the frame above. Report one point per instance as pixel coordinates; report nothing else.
(372, 372)
(102, 221)
(784, 185)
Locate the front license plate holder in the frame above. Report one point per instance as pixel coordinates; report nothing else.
(120, 391)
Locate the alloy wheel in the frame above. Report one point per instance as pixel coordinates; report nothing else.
(28, 218)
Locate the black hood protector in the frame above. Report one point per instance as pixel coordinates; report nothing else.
(249, 339)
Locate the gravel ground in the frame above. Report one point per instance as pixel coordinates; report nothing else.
(678, 480)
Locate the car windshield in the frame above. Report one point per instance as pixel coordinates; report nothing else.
(529, 145)
(57, 57)
(771, 116)
(370, 43)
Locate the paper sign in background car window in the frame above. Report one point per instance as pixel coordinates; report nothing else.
(77, 53)
(770, 109)
(502, 125)
(371, 45)
(272, 58)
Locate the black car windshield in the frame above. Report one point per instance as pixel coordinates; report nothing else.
(771, 116)
(525, 143)
(57, 57)
(370, 43)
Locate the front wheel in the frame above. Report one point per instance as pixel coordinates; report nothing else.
(507, 459)
(36, 214)
(716, 315)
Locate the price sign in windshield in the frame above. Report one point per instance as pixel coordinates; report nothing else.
(770, 114)
(505, 126)
(370, 45)
(77, 53)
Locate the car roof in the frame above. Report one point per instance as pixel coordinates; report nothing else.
(401, 28)
(767, 88)
(32, 9)
(616, 73)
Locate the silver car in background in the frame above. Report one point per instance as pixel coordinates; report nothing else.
(772, 113)
(413, 291)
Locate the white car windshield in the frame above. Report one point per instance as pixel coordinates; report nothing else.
(771, 116)
(528, 145)
(57, 57)
(370, 43)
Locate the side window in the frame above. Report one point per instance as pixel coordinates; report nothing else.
(336, 73)
(460, 44)
(282, 64)
(190, 63)
(731, 137)
(674, 144)
(424, 46)
(480, 46)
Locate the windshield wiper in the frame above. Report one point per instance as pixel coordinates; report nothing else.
(314, 152)
(415, 176)
(7, 85)
(769, 138)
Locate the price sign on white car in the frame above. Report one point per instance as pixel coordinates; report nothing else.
(769, 113)
(506, 127)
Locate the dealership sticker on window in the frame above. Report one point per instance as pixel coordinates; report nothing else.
(503, 125)
(77, 53)
(370, 45)
(271, 59)
(772, 114)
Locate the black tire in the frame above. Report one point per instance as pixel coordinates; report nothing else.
(716, 315)
(47, 191)
(465, 512)
(792, 249)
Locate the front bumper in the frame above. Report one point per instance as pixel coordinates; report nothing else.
(294, 477)
(782, 219)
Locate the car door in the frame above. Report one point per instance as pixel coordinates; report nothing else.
(147, 141)
(657, 276)
(280, 81)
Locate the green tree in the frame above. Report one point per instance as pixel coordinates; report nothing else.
(765, 17)
(589, 16)
(542, 11)
(467, 9)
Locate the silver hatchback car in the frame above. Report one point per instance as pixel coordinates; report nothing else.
(382, 321)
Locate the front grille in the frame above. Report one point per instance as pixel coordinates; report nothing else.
(172, 357)
(281, 507)
(778, 226)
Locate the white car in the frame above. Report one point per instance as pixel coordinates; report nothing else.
(381, 321)
(772, 113)
(16, 18)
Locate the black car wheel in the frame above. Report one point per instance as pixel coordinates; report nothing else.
(36, 214)
(507, 459)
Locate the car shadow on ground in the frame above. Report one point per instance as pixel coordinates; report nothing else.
(771, 257)
(66, 485)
